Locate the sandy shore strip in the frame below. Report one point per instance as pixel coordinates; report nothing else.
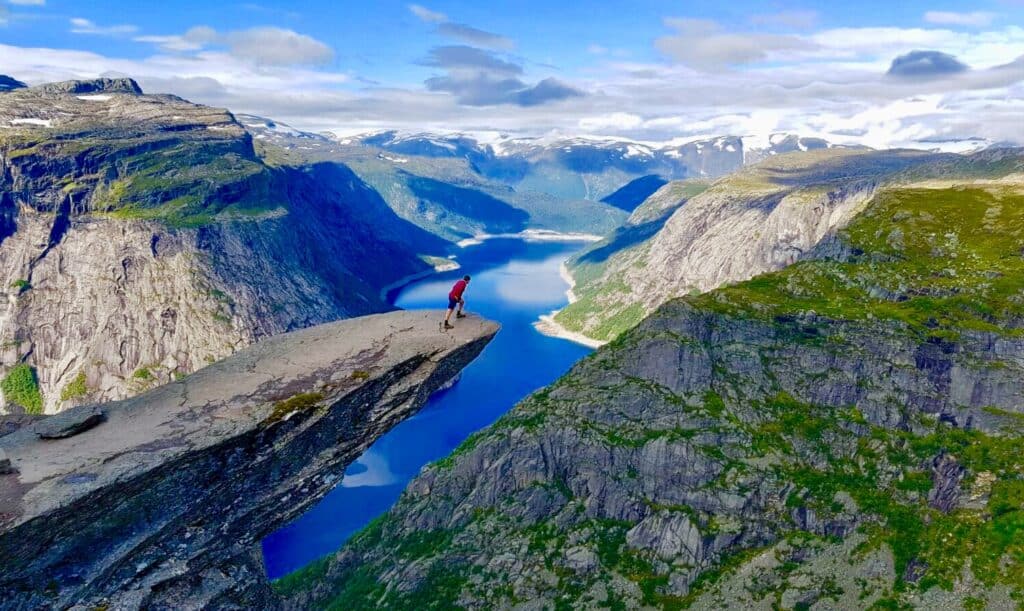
(547, 325)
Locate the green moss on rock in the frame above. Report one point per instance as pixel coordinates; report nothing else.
(21, 386)
(75, 389)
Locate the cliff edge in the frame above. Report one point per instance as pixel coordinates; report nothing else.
(162, 499)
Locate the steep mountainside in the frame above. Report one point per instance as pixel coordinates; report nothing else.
(630, 196)
(141, 236)
(756, 220)
(844, 433)
(445, 194)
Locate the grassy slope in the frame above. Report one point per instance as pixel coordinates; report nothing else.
(606, 307)
(185, 178)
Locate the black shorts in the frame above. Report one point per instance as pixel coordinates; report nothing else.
(452, 303)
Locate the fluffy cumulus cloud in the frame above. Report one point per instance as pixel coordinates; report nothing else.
(926, 64)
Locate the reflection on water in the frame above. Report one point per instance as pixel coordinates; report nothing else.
(513, 282)
(371, 469)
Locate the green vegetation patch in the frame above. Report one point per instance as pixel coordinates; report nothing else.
(297, 403)
(940, 262)
(75, 389)
(21, 386)
(186, 186)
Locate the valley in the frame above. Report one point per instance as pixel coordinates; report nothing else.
(794, 380)
(513, 282)
(842, 433)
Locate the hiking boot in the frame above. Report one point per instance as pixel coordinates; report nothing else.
(459, 315)
(448, 325)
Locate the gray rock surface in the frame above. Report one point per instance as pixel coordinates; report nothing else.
(738, 449)
(163, 505)
(759, 219)
(142, 237)
(70, 422)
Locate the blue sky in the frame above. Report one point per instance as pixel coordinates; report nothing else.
(653, 70)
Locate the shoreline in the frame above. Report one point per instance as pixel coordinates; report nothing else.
(404, 280)
(546, 324)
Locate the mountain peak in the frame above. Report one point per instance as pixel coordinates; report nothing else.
(99, 85)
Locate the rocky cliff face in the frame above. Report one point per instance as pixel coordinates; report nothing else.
(142, 237)
(757, 220)
(160, 501)
(840, 434)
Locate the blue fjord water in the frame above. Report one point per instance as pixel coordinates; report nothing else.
(513, 283)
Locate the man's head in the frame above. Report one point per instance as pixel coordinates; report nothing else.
(466, 277)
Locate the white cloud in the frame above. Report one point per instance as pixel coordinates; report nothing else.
(611, 122)
(827, 83)
(976, 19)
(80, 25)
(427, 15)
(703, 44)
(277, 47)
(171, 43)
(266, 45)
(476, 36)
(800, 20)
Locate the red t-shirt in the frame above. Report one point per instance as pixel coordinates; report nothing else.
(457, 290)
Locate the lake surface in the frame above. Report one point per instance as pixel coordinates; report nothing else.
(513, 283)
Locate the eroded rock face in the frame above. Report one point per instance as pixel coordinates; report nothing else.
(142, 237)
(738, 449)
(164, 503)
(757, 220)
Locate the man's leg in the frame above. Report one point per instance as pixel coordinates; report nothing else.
(462, 304)
(447, 317)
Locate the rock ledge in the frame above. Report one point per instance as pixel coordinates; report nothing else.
(164, 503)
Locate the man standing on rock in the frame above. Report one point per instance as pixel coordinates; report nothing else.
(455, 297)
